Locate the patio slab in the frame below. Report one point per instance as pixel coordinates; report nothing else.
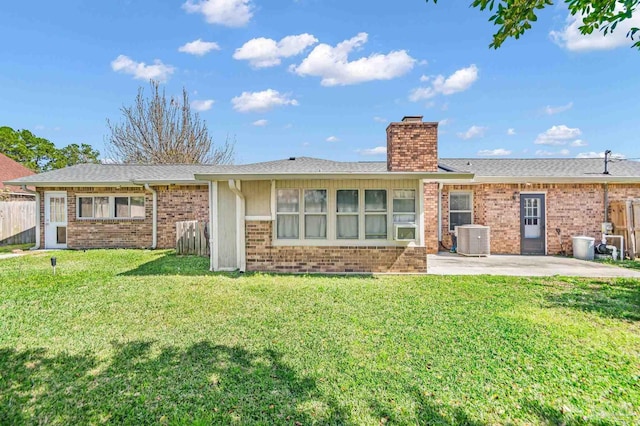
(538, 266)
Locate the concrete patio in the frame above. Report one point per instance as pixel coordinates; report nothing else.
(454, 264)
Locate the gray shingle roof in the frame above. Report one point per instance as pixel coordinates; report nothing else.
(536, 167)
(106, 174)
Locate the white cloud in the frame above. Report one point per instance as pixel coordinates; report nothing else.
(593, 154)
(578, 143)
(424, 78)
(511, 131)
(473, 132)
(260, 123)
(141, 71)
(265, 52)
(230, 13)
(557, 135)
(202, 105)
(551, 110)
(545, 153)
(333, 139)
(261, 101)
(333, 66)
(378, 150)
(570, 37)
(444, 122)
(380, 120)
(459, 81)
(199, 47)
(498, 152)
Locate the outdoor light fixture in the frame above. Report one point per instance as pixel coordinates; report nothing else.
(53, 264)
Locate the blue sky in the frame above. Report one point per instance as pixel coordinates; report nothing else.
(322, 78)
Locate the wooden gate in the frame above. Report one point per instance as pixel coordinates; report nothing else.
(192, 237)
(17, 222)
(625, 217)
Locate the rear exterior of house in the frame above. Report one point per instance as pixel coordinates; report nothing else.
(311, 215)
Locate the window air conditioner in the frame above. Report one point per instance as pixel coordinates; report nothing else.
(405, 231)
(473, 240)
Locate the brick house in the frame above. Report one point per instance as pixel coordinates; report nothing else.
(10, 169)
(311, 215)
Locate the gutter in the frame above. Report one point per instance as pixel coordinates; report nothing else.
(430, 177)
(154, 225)
(234, 186)
(37, 194)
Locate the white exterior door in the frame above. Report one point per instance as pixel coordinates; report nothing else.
(55, 220)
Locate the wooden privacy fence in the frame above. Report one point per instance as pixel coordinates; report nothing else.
(625, 217)
(17, 222)
(192, 237)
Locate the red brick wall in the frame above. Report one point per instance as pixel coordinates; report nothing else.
(576, 209)
(412, 146)
(175, 203)
(263, 256)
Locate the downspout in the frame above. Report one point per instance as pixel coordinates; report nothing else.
(606, 202)
(154, 225)
(37, 194)
(240, 237)
(440, 186)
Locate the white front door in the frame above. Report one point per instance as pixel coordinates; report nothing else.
(55, 220)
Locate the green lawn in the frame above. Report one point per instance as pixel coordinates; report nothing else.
(139, 337)
(10, 248)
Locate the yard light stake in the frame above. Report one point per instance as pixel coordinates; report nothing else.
(53, 264)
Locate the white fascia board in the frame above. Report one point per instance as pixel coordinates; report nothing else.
(331, 175)
(558, 179)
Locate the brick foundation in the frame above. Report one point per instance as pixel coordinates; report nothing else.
(262, 255)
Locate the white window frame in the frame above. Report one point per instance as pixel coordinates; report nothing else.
(470, 193)
(375, 213)
(404, 224)
(360, 241)
(300, 208)
(111, 206)
(358, 214)
(304, 215)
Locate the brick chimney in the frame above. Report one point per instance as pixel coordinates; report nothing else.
(412, 146)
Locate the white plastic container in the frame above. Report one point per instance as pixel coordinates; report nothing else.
(583, 247)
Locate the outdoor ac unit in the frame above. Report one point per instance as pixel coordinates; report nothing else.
(473, 240)
(405, 231)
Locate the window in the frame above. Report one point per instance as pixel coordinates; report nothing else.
(288, 214)
(404, 206)
(404, 214)
(375, 214)
(460, 209)
(110, 207)
(347, 214)
(315, 213)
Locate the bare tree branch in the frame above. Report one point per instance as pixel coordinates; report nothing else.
(159, 131)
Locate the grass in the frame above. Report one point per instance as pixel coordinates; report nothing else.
(631, 264)
(9, 248)
(140, 337)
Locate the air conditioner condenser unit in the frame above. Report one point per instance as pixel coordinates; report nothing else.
(474, 240)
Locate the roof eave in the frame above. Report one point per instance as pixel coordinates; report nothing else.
(130, 183)
(433, 176)
(557, 179)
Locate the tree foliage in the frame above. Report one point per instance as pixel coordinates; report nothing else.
(40, 154)
(157, 130)
(514, 17)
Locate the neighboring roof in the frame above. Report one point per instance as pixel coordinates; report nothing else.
(10, 169)
(546, 169)
(126, 174)
(463, 169)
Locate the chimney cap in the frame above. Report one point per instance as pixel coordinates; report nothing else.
(412, 119)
